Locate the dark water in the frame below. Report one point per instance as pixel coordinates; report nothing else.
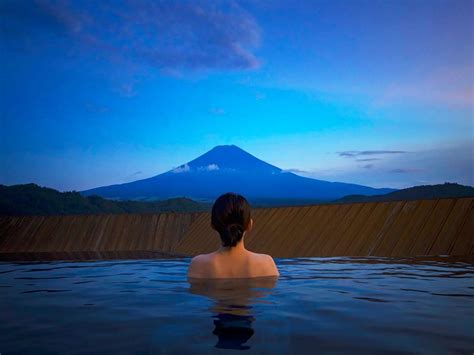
(318, 305)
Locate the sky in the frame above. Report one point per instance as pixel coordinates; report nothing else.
(379, 93)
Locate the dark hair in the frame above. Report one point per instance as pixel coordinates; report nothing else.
(230, 217)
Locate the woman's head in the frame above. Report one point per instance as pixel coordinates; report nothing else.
(230, 218)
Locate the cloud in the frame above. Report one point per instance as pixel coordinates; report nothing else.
(447, 85)
(451, 161)
(356, 153)
(210, 167)
(186, 168)
(444, 86)
(168, 35)
(368, 166)
(367, 159)
(181, 169)
(296, 171)
(405, 170)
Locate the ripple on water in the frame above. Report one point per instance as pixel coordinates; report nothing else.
(147, 306)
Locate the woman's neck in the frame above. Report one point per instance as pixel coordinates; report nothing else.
(238, 249)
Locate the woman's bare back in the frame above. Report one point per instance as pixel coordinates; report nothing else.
(230, 217)
(232, 265)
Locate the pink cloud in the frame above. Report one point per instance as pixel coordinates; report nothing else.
(452, 86)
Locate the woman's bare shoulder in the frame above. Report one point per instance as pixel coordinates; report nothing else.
(266, 262)
(260, 256)
(201, 257)
(200, 265)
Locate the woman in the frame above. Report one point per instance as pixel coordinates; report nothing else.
(233, 306)
(231, 219)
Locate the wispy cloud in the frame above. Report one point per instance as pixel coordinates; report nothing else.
(296, 171)
(210, 167)
(186, 168)
(449, 161)
(357, 153)
(446, 85)
(181, 169)
(367, 159)
(406, 170)
(168, 35)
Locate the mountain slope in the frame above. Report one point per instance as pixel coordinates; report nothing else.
(31, 199)
(229, 168)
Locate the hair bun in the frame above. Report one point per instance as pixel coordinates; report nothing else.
(235, 228)
(234, 232)
(230, 217)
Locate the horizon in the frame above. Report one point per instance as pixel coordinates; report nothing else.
(184, 168)
(379, 94)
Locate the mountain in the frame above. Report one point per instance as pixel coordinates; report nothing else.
(229, 168)
(423, 192)
(31, 199)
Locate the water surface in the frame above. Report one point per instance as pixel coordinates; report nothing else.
(318, 305)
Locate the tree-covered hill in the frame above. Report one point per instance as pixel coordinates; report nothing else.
(31, 199)
(423, 192)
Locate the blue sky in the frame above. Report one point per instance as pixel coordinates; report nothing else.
(372, 92)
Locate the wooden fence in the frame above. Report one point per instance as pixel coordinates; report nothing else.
(400, 228)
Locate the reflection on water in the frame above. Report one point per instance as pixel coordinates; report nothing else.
(232, 306)
(88, 255)
(318, 305)
(233, 331)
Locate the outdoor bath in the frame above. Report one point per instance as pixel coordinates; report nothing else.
(364, 305)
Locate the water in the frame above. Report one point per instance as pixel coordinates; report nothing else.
(318, 305)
